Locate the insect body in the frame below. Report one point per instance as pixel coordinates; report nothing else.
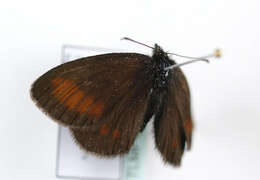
(106, 100)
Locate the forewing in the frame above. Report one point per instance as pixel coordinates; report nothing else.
(173, 123)
(81, 93)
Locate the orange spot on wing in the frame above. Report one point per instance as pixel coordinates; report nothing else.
(116, 134)
(57, 81)
(188, 126)
(85, 104)
(96, 109)
(68, 93)
(74, 99)
(62, 87)
(104, 130)
(175, 143)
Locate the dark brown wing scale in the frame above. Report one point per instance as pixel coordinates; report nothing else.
(173, 123)
(102, 99)
(122, 124)
(122, 121)
(78, 92)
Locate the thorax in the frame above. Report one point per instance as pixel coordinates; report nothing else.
(160, 75)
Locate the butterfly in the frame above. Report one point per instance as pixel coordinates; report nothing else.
(106, 100)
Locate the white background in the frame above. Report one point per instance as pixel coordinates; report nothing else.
(225, 93)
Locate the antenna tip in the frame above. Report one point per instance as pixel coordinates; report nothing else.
(217, 53)
(206, 60)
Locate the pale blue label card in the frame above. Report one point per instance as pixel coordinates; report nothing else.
(134, 161)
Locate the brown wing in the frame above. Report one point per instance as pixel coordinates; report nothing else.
(84, 92)
(120, 126)
(173, 123)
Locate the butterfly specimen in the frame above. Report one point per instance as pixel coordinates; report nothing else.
(106, 100)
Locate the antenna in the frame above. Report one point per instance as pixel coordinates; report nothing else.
(188, 62)
(129, 39)
(216, 54)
